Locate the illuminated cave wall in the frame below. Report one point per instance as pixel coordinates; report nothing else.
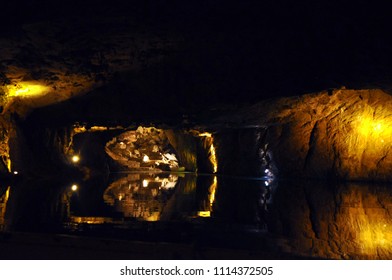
(5, 161)
(144, 148)
(150, 148)
(342, 134)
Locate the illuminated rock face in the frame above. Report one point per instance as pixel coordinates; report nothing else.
(145, 148)
(344, 134)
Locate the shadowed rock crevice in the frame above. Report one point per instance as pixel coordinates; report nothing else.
(312, 144)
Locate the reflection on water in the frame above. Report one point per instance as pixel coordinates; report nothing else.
(141, 196)
(346, 220)
(297, 218)
(211, 198)
(4, 194)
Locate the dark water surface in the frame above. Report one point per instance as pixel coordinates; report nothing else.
(307, 219)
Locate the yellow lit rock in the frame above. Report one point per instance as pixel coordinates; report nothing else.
(209, 144)
(90, 220)
(204, 214)
(343, 133)
(212, 191)
(26, 89)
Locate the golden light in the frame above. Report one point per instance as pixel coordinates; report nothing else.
(370, 137)
(211, 199)
(75, 158)
(145, 183)
(205, 134)
(378, 130)
(153, 217)
(204, 214)
(90, 220)
(375, 236)
(74, 187)
(212, 190)
(8, 162)
(209, 141)
(3, 206)
(367, 126)
(213, 158)
(82, 129)
(27, 89)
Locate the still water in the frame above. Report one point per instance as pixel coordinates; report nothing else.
(307, 219)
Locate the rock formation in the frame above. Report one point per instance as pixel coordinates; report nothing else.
(342, 134)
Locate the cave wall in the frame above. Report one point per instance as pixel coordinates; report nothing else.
(241, 151)
(4, 146)
(185, 146)
(342, 134)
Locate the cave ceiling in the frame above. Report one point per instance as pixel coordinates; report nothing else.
(159, 59)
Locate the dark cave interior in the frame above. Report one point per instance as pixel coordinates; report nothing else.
(223, 95)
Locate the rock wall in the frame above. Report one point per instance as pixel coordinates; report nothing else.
(241, 151)
(342, 134)
(186, 148)
(146, 148)
(5, 161)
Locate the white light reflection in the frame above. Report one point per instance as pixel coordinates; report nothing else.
(145, 183)
(146, 158)
(268, 173)
(75, 158)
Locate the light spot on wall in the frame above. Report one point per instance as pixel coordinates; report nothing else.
(26, 89)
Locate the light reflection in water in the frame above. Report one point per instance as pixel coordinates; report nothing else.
(339, 221)
(140, 196)
(305, 218)
(179, 197)
(4, 195)
(209, 144)
(374, 236)
(211, 199)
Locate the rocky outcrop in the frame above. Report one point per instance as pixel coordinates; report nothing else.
(341, 134)
(146, 148)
